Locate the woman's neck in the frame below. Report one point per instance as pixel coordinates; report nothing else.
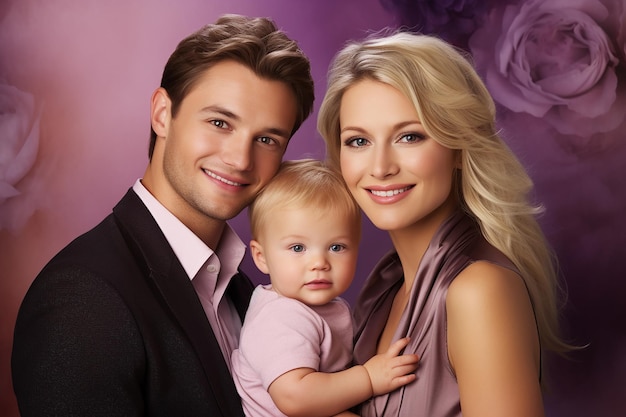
(412, 242)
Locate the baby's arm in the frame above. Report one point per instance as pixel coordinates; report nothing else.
(306, 392)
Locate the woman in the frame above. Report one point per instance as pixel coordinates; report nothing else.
(471, 280)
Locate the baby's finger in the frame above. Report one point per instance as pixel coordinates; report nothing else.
(408, 369)
(402, 380)
(406, 359)
(397, 346)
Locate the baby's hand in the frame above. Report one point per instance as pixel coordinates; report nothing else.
(390, 370)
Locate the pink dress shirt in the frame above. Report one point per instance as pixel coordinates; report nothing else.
(209, 270)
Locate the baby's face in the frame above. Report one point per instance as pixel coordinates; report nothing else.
(309, 254)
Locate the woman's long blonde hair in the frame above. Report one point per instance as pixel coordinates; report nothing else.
(457, 111)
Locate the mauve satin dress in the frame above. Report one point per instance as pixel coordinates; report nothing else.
(435, 393)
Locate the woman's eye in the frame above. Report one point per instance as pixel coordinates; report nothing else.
(297, 248)
(411, 137)
(356, 142)
(336, 247)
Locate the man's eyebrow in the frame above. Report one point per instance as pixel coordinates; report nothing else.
(279, 132)
(227, 113)
(221, 110)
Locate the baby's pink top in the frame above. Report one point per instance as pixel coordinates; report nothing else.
(281, 334)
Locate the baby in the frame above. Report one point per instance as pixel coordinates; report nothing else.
(295, 350)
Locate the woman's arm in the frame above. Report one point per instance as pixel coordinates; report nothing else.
(305, 392)
(493, 344)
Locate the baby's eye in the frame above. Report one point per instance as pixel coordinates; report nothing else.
(297, 248)
(337, 247)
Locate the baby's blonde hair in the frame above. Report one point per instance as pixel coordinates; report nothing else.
(304, 183)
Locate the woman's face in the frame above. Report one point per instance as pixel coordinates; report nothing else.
(399, 176)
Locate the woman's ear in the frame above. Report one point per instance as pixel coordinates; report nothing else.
(258, 257)
(160, 112)
(458, 164)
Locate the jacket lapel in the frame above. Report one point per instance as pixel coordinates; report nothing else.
(164, 269)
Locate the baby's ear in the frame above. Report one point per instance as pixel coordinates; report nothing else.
(259, 258)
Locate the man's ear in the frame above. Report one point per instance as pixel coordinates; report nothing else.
(160, 111)
(258, 257)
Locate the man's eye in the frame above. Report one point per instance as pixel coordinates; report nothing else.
(297, 248)
(219, 123)
(267, 140)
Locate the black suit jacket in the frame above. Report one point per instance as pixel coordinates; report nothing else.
(112, 326)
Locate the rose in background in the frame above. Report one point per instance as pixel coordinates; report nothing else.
(557, 60)
(452, 20)
(19, 143)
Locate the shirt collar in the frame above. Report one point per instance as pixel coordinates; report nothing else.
(191, 251)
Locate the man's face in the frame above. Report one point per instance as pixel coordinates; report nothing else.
(224, 144)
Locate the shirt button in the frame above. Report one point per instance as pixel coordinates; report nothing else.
(211, 268)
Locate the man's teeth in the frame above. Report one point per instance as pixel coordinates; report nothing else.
(222, 179)
(389, 193)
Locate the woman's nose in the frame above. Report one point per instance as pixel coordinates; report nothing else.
(383, 162)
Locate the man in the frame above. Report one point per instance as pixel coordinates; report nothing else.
(139, 316)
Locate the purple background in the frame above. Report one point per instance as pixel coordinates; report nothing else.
(91, 66)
